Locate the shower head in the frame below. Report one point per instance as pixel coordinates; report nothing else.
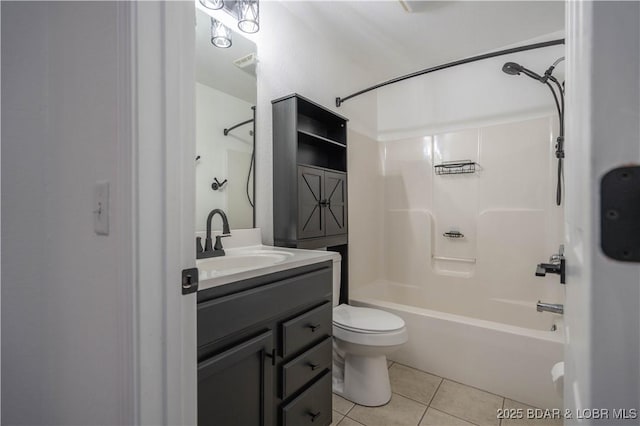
(512, 68)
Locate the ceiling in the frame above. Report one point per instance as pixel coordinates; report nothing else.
(388, 41)
(214, 66)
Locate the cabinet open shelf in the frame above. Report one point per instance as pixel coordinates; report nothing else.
(320, 139)
(329, 156)
(317, 121)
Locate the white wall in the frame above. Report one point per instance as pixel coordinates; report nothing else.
(223, 157)
(66, 304)
(469, 95)
(294, 58)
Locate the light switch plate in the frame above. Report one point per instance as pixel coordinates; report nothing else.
(101, 208)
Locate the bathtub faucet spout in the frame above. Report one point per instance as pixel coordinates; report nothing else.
(550, 307)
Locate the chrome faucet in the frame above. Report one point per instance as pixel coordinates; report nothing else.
(211, 250)
(550, 307)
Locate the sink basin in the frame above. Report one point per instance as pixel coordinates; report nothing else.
(238, 261)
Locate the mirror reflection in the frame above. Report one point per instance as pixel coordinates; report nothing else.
(225, 132)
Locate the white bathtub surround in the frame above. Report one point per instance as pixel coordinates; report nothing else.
(505, 210)
(470, 302)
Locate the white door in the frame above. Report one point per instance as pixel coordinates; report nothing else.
(163, 43)
(602, 312)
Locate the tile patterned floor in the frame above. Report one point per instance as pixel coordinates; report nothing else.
(422, 399)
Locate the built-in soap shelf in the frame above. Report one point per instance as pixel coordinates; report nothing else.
(463, 267)
(455, 167)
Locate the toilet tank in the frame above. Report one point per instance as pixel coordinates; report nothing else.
(336, 281)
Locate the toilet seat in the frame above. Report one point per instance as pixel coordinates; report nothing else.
(367, 326)
(366, 320)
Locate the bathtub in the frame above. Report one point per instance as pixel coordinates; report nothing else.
(511, 360)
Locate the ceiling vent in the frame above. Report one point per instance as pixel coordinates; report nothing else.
(247, 63)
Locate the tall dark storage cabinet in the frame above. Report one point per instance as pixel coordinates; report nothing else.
(310, 177)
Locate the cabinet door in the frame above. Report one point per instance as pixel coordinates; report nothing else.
(236, 386)
(335, 203)
(310, 211)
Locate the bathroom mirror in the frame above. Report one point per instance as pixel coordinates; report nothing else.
(225, 100)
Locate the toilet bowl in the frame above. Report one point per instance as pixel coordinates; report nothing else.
(363, 337)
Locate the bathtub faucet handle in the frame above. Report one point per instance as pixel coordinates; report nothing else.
(542, 269)
(557, 258)
(556, 265)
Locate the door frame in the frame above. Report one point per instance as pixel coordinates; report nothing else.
(602, 314)
(160, 60)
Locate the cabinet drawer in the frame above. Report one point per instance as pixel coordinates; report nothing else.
(312, 407)
(304, 329)
(304, 368)
(223, 316)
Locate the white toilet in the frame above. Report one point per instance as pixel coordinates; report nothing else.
(362, 339)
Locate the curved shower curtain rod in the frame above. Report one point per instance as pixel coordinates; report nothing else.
(226, 131)
(339, 100)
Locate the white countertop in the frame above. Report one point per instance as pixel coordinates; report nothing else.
(291, 258)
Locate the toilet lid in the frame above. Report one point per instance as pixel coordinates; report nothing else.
(366, 319)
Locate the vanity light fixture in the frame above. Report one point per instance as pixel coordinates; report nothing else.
(248, 16)
(220, 35)
(212, 4)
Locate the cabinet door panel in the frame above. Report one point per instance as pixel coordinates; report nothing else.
(336, 207)
(310, 211)
(234, 387)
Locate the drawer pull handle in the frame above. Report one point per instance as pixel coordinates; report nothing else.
(313, 366)
(314, 416)
(314, 327)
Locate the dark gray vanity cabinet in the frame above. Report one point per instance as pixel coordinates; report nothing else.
(265, 350)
